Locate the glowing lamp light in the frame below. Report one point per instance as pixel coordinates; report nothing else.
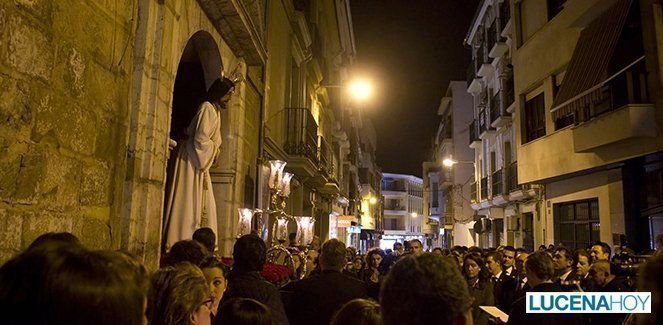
(360, 89)
(414, 214)
(275, 173)
(372, 200)
(448, 162)
(304, 230)
(285, 184)
(244, 223)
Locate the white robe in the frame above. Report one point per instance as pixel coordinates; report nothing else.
(191, 202)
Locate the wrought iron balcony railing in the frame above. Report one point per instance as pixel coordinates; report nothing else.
(301, 134)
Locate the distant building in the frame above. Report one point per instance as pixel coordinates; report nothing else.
(448, 190)
(403, 208)
(505, 210)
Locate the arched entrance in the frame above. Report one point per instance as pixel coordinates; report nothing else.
(200, 64)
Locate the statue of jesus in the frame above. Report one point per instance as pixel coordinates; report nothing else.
(191, 201)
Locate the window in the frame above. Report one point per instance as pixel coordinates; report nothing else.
(535, 118)
(555, 7)
(435, 195)
(577, 223)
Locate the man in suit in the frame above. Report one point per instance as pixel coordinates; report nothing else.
(565, 274)
(509, 260)
(317, 298)
(540, 271)
(605, 281)
(504, 286)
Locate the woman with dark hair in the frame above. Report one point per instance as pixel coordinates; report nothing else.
(243, 311)
(60, 283)
(371, 274)
(191, 202)
(358, 312)
(216, 274)
(179, 295)
(185, 251)
(477, 277)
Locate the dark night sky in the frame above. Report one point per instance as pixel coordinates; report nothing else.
(410, 49)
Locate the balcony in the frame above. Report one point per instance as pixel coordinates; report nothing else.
(498, 111)
(497, 184)
(484, 124)
(473, 193)
(301, 142)
(515, 191)
(484, 189)
(473, 82)
(328, 183)
(496, 42)
(504, 18)
(615, 110)
(485, 68)
(475, 141)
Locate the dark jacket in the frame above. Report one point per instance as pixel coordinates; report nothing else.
(316, 298)
(618, 284)
(504, 290)
(519, 316)
(253, 285)
(482, 292)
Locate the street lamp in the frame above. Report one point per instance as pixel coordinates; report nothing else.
(359, 89)
(372, 200)
(448, 162)
(414, 214)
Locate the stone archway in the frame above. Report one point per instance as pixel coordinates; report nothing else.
(200, 64)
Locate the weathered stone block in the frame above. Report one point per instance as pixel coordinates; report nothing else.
(9, 168)
(30, 50)
(15, 112)
(11, 225)
(69, 71)
(41, 9)
(96, 187)
(93, 233)
(72, 127)
(36, 224)
(49, 178)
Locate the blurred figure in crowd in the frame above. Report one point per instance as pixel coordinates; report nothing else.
(179, 295)
(425, 289)
(244, 311)
(480, 287)
(358, 312)
(216, 274)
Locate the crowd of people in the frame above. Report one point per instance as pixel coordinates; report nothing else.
(56, 280)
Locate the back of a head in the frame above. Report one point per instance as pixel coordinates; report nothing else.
(358, 312)
(426, 289)
(175, 294)
(185, 251)
(541, 264)
(243, 311)
(601, 266)
(71, 285)
(332, 255)
(54, 237)
(249, 253)
(206, 237)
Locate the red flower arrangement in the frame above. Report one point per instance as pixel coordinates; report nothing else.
(276, 273)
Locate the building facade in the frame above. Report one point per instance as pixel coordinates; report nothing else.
(587, 118)
(505, 209)
(448, 190)
(93, 93)
(403, 209)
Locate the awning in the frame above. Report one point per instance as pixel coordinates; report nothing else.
(590, 60)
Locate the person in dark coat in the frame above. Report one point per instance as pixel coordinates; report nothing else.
(317, 298)
(540, 271)
(605, 281)
(479, 285)
(245, 281)
(504, 286)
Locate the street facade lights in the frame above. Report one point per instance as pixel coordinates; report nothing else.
(359, 90)
(449, 162)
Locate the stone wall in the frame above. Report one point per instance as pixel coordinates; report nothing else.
(65, 76)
